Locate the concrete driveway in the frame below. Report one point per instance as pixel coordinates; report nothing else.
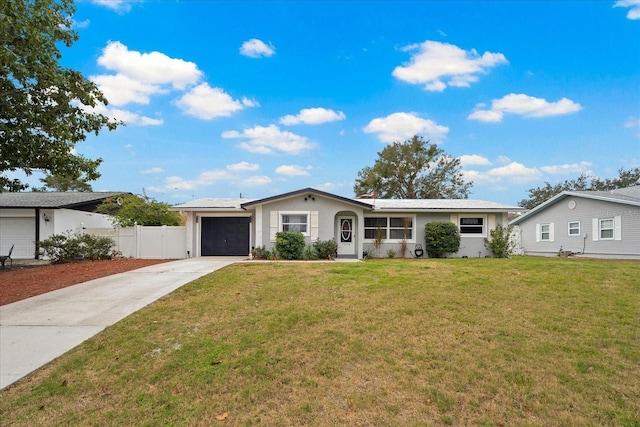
(35, 331)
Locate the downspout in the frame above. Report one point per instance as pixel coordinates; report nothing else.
(37, 254)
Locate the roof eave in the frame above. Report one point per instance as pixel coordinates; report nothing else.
(303, 191)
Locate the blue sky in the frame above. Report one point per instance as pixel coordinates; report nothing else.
(223, 98)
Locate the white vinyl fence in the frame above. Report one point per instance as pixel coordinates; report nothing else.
(147, 242)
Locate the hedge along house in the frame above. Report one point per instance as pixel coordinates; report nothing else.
(225, 227)
(603, 224)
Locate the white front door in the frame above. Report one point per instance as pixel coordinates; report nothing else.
(346, 236)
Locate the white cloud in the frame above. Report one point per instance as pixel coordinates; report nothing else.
(81, 24)
(255, 181)
(313, 116)
(293, 170)
(516, 172)
(125, 116)
(438, 65)
(398, 127)
(206, 102)
(255, 48)
(120, 6)
(474, 159)
(632, 123)
(487, 116)
(523, 105)
(120, 89)
(250, 102)
(153, 170)
(267, 140)
(151, 68)
(567, 168)
(633, 5)
(503, 160)
(513, 172)
(243, 166)
(206, 178)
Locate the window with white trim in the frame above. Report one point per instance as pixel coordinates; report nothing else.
(606, 229)
(573, 228)
(393, 228)
(545, 232)
(472, 225)
(295, 221)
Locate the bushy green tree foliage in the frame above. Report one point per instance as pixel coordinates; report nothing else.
(413, 169)
(131, 209)
(441, 238)
(539, 195)
(45, 109)
(63, 183)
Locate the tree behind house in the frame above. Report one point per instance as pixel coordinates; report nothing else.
(131, 209)
(413, 169)
(539, 195)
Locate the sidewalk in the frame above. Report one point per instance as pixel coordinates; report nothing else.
(35, 331)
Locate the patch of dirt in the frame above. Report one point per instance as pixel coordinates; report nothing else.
(25, 281)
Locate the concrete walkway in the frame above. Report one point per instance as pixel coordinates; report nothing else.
(37, 330)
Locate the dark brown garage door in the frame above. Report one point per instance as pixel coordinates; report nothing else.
(228, 236)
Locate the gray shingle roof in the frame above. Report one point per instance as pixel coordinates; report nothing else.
(51, 200)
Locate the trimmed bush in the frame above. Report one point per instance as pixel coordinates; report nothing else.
(441, 238)
(290, 244)
(60, 248)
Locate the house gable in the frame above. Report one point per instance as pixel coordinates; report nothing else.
(593, 223)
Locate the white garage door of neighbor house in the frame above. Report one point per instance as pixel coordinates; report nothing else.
(22, 233)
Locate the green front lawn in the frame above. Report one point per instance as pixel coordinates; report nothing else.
(490, 342)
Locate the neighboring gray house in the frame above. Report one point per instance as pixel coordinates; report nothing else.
(603, 224)
(30, 217)
(234, 226)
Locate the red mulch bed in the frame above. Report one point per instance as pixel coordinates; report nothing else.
(22, 282)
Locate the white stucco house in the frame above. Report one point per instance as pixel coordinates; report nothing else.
(603, 224)
(235, 226)
(29, 217)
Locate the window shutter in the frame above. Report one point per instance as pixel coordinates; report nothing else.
(492, 224)
(617, 233)
(454, 219)
(551, 230)
(537, 232)
(595, 230)
(313, 229)
(273, 225)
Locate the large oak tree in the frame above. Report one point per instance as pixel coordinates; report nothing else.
(413, 169)
(43, 106)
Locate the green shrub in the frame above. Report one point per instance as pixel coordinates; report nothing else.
(391, 253)
(290, 244)
(441, 238)
(60, 248)
(325, 249)
(500, 244)
(309, 253)
(260, 252)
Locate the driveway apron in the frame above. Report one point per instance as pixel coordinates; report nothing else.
(36, 330)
